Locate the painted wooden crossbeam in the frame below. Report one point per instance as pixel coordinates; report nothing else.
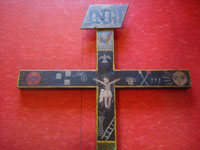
(85, 79)
(105, 78)
(56, 79)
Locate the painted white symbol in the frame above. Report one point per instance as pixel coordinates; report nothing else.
(66, 82)
(167, 78)
(104, 58)
(155, 81)
(83, 76)
(67, 73)
(130, 80)
(58, 75)
(144, 78)
(109, 130)
(106, 94)
(159, 80)
(101, 131)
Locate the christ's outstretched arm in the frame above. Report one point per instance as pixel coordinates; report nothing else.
(114, 81)
(99, 81)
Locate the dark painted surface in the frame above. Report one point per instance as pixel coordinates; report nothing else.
(153, 78)
(135, 78)
(67, 78)
(105, 62)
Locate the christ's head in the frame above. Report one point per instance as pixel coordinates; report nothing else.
(106, 80)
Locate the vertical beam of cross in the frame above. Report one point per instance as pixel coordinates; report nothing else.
(106, 112)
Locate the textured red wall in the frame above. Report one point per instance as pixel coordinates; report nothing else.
(156, 34)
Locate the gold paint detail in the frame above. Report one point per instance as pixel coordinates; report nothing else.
(152, 70)
(57, 70)
(113, 53)
(97, 119)
(190, 79)
(115, 115)
(106, 141)
(18, 79)
(152, 86)
(106, 146)
(104, 50)
(53, 87)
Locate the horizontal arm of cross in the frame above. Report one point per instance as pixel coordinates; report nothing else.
(153, 78)
(56, 79)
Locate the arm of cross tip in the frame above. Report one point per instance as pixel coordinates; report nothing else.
(153, 78)
(56, 79)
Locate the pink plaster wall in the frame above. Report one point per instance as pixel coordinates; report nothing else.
(156, 34)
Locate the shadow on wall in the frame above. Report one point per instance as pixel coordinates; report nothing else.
(131, 98)
(62, 99)
(149, 99)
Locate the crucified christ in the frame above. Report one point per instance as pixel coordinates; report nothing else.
(106, 93)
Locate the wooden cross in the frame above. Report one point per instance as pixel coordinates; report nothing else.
(105, 78)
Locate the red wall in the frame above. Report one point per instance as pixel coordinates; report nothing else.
(156, 34)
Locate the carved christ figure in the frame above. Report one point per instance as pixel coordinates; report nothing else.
(106, 94)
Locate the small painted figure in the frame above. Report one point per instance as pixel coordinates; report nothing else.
(106, 94)
(105, 37)
(104, 58)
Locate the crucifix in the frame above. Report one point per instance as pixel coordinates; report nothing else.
(105, 78)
